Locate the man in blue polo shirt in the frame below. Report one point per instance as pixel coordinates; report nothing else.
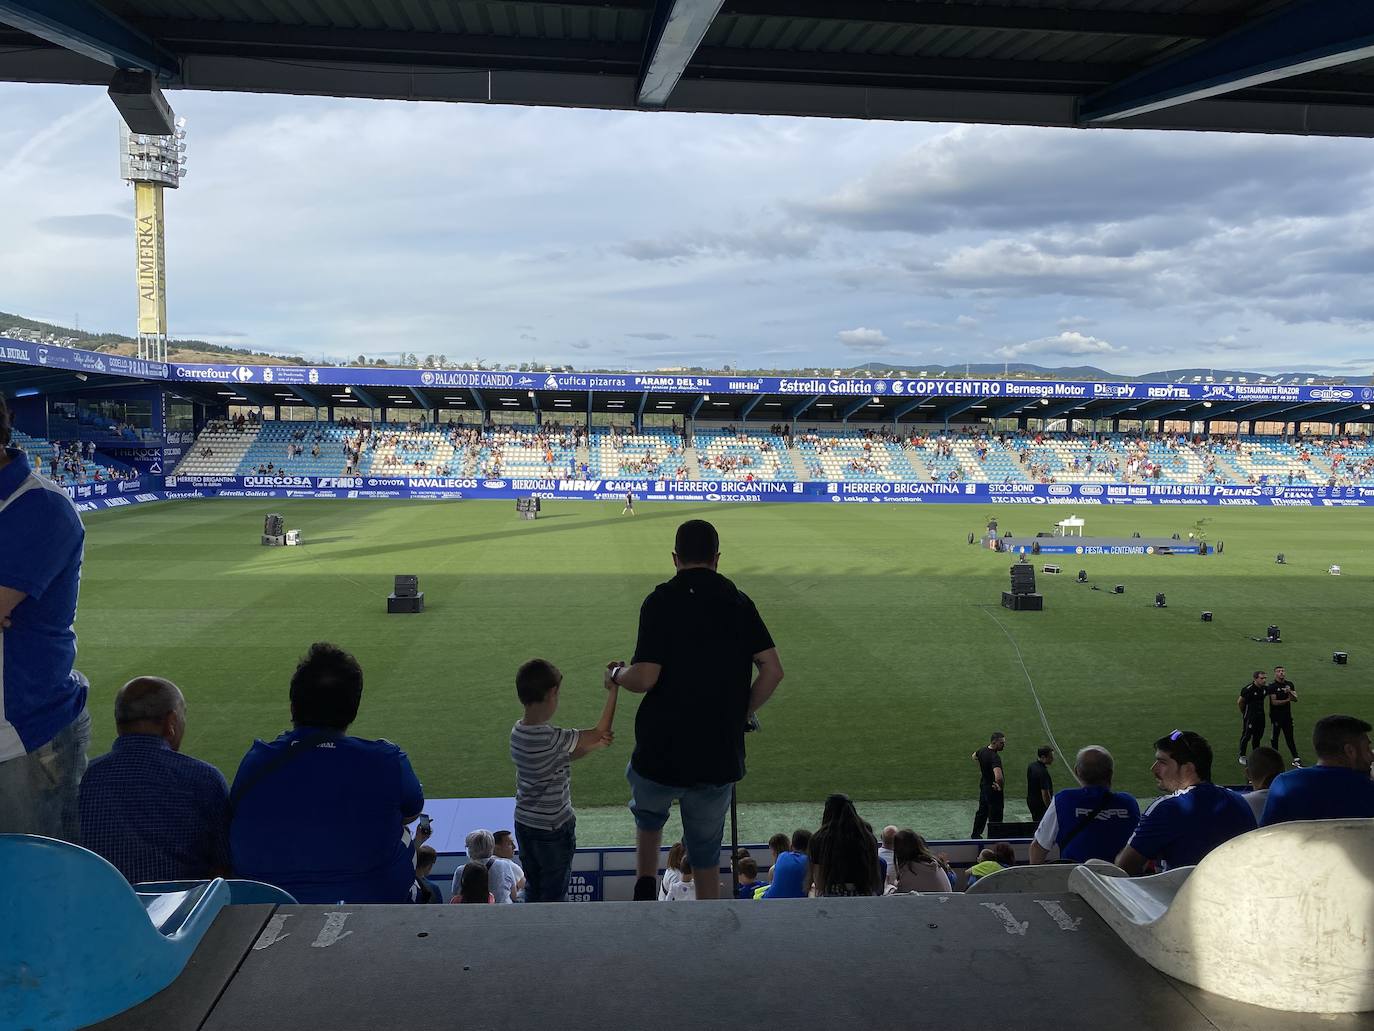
(318, 813)
(1337, 788)
(44, 726)
(1088, 822)
(1197, 816)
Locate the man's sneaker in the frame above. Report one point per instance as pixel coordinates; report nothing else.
(646, 889)
(1242, 761)
(1297, 762)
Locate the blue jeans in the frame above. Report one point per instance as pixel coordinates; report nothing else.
(38, 790)
(547, 857)
(702, 807)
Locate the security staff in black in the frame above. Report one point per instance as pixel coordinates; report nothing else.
(1282, 695)
(991, 783)
(1251, 705)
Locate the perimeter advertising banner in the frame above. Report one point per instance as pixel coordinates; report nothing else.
(1077, 495)
(641, 382)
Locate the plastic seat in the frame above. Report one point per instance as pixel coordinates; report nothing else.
(241, 893)
(1309, 883)
(78, 944)
(1047, 877)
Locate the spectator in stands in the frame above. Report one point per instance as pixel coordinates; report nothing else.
(991, 795)
(1194, 818)
(427, 892)
(44, 726)
(699, 637)
(791, 874)
(885, 849)
(472, 886)
(505, 849)
(155, 814)
(844, 852)
(1039, 785)
(915, 867)
(672, 870)
(1265, 764)
(748, 869)
(545, 823)
(684, 889)
(1090, 821)
(504, 879)
(321, 814)
(1338, 787)
(991, 859)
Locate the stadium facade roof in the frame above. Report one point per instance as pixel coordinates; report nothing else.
(1302, 66)
(28, 369)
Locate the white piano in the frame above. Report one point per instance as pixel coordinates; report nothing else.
(1067, 526)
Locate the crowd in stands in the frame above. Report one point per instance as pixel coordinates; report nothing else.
(73, 462)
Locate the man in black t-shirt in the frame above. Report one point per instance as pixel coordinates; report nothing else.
(1039, 786)
(1251, 706)
(700, 640)
(1282, 695)
(990, 794)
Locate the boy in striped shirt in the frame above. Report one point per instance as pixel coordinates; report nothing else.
(545, 825)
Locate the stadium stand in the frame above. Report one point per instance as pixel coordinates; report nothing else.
(863, 456)
(734, 452)
(526, 451)
(71, 467)
(653, 453)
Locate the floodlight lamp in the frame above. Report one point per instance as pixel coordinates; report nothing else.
(706, 397)
(1207, 404)
(1044, 400)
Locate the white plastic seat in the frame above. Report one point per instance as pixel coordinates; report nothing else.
(1282, 917)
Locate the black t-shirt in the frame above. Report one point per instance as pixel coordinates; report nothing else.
(1253, 695)
(704, 632)
(988, 760)
(1037, 780)
(1281, 691)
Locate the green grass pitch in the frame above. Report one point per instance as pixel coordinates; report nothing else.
(883, 616)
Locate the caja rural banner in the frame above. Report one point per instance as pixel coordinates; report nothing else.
(1079, 495)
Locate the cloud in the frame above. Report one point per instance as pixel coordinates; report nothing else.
(773, 242)
(862, 337)
(580, 345)
(87, 227)
(1067, 344)
(649, 336)
(966, 322)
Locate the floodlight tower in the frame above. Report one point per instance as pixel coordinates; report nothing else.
(152, 164)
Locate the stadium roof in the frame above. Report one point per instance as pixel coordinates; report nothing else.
(1286, 67)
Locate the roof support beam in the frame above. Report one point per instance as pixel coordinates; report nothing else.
(1058, 411)
(420, 398)
(309, 397)
(1009, 409)
(1322, 414)
(855, 408)
(1304, 36)
(749, 407)
(678, 28)
(639, 413)
(803, 406)
(1112, 411)
(86, 28)
(960, 408)
(979, 16)
(1265, 412)
(366, 398)
(696, 406)
(907, 408)
(482, 405)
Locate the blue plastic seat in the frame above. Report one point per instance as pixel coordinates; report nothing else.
(78, 944)
(241, 893)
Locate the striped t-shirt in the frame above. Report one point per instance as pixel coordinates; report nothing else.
(543, 781)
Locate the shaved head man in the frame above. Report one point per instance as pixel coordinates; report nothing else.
(156, 814)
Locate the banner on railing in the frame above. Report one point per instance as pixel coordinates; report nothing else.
(108, 488)
(1081, 495)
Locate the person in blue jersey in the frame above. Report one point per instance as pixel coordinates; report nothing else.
(44, 725)
(321, 814)
(790, 877)
(1337, 788)
(1193, 818)
(1087, 822)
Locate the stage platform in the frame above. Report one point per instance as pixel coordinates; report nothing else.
(1100, 546)
(951, 962)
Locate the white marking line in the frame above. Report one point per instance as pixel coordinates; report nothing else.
(332, 931)
(1009, 922)
(272, 933)
(1057, 914)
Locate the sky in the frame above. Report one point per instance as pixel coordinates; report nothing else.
(644, 240)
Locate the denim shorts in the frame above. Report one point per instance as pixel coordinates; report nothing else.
(702, 807)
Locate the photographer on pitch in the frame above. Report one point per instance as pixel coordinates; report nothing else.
(700, 639)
